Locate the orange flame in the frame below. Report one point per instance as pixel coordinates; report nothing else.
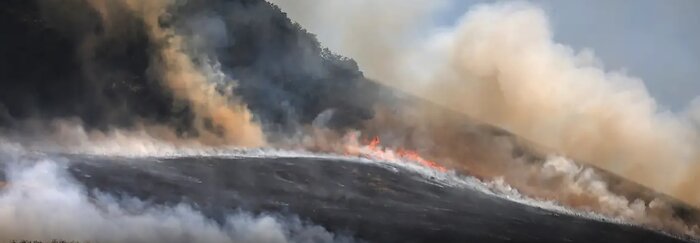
(374, 150)
(414, 156)
(374, 144)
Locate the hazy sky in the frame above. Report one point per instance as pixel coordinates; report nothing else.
(658, 41)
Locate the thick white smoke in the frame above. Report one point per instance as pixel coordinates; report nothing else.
(41, 202)
(71, 136)
(584, 189)
(500, 65)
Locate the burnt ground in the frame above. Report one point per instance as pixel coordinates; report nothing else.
(372, 202)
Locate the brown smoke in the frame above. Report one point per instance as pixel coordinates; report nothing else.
(500, 65)
(505, 70)
(218, 119)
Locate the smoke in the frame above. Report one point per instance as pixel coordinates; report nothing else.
(73, 136)
(374, 33)
(505, 70)
(568, 183)
(41, 202)
(499, 65)
(128, 76)
(213, 110)
(222, 72)
(128, 68)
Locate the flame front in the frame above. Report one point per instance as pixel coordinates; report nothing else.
(374, 150)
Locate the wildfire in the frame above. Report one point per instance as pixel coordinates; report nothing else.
(375, 150)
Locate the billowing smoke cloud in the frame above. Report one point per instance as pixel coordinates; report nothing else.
(576, 186)
(504, 69)
(127, 68)
(499, 64)
(212, 109)
(219, 72)
(41, 202)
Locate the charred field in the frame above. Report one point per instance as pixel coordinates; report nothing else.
(372, 201)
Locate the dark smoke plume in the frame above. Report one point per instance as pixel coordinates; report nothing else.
(58, 61)
(98, 61)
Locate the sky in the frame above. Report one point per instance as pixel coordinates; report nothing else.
(657, 41)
